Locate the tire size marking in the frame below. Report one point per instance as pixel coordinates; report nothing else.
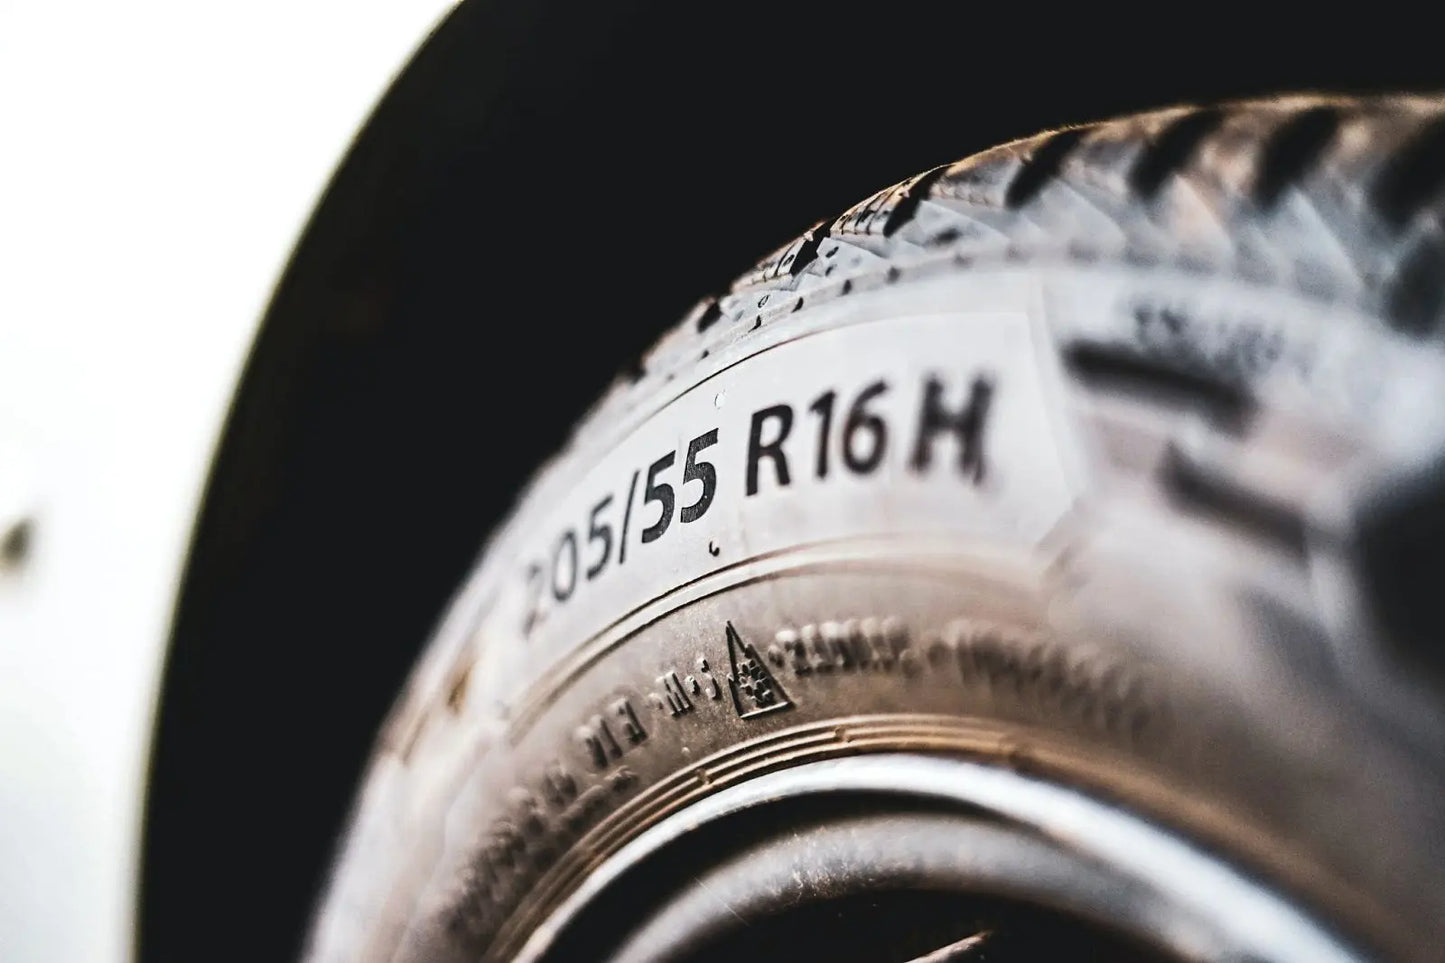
(944, 426)
(562, 571)
(848, 430)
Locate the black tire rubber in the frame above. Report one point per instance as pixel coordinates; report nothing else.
(1143, 506)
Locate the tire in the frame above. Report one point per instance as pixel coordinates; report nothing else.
(1102, 461)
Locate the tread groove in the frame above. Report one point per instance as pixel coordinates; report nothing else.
(908, 202)
(1042, 167)
(1417, 291)
(1290, 152)
(1412, 176)
(808, 250)
(1102, 365)
(1174, 148)
(1189, 486)
(710, 316)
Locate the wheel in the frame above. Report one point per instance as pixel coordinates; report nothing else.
(1039, 556)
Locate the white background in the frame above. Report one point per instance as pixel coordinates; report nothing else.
(157, 161)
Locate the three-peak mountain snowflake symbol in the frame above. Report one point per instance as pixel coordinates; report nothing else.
(754, 689)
